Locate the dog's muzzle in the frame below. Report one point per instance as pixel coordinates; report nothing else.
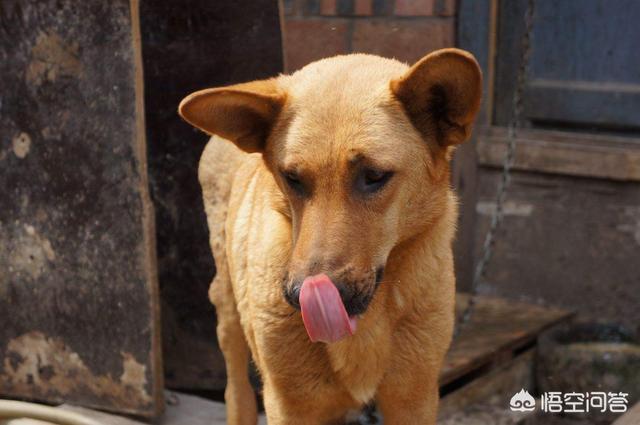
(356, 296)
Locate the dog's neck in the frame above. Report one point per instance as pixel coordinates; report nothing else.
(428, 288)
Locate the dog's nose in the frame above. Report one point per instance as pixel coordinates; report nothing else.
(292, 293)
(355, 300)
(379, 275)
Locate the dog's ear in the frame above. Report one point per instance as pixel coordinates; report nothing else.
(243, 113)
(441, 95)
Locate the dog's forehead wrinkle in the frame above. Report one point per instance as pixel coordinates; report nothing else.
(343, 84)
(341, 134)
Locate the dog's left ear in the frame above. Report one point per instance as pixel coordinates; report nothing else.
(441, 95)
(243, 113)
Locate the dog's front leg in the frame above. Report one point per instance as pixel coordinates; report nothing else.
(409, 392)
(410, 397)
(281, 410)
(239, 395)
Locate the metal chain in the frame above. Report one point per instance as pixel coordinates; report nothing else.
(498, 213)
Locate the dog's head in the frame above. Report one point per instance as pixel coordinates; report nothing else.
(359, 147)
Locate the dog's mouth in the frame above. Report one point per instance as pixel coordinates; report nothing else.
(323, 312)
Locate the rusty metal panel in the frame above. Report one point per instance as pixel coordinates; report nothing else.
(189, 45)
(78, 307)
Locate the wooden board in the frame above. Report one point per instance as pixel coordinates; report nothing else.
(568, 153)
(497, 331)
(190, 45)
(496, 386)
(476, 33)
(569, 83)
(78, 302)
(488, 414)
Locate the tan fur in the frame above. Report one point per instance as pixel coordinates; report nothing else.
(323, 123)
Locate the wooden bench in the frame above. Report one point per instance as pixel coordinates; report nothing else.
(497, 331)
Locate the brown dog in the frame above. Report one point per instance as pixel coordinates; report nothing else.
(335, 181)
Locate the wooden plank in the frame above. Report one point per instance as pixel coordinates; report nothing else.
(476, 33)
(487, 414)
(477, 22)
(78, 302)
(187, 46)
(590, 104)
(511, 26)
(496, 386)
(498, 328)
(574, 154)
(464, 180)
(569, 82)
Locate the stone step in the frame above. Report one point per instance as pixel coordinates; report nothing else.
(181, 409)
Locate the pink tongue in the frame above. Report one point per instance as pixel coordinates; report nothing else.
(323, 313)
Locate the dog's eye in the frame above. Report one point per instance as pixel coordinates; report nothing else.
(371, 180)
(293, 181)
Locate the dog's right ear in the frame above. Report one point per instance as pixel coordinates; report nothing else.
(441, 94)
(243, 113)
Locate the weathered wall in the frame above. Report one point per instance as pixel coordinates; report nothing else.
(403, 29)
(77, 272)
(565, 241)
(570, 234)
(190, 45)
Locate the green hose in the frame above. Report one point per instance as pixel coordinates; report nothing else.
(10, 409)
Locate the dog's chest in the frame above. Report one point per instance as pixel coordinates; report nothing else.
(359, 366)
